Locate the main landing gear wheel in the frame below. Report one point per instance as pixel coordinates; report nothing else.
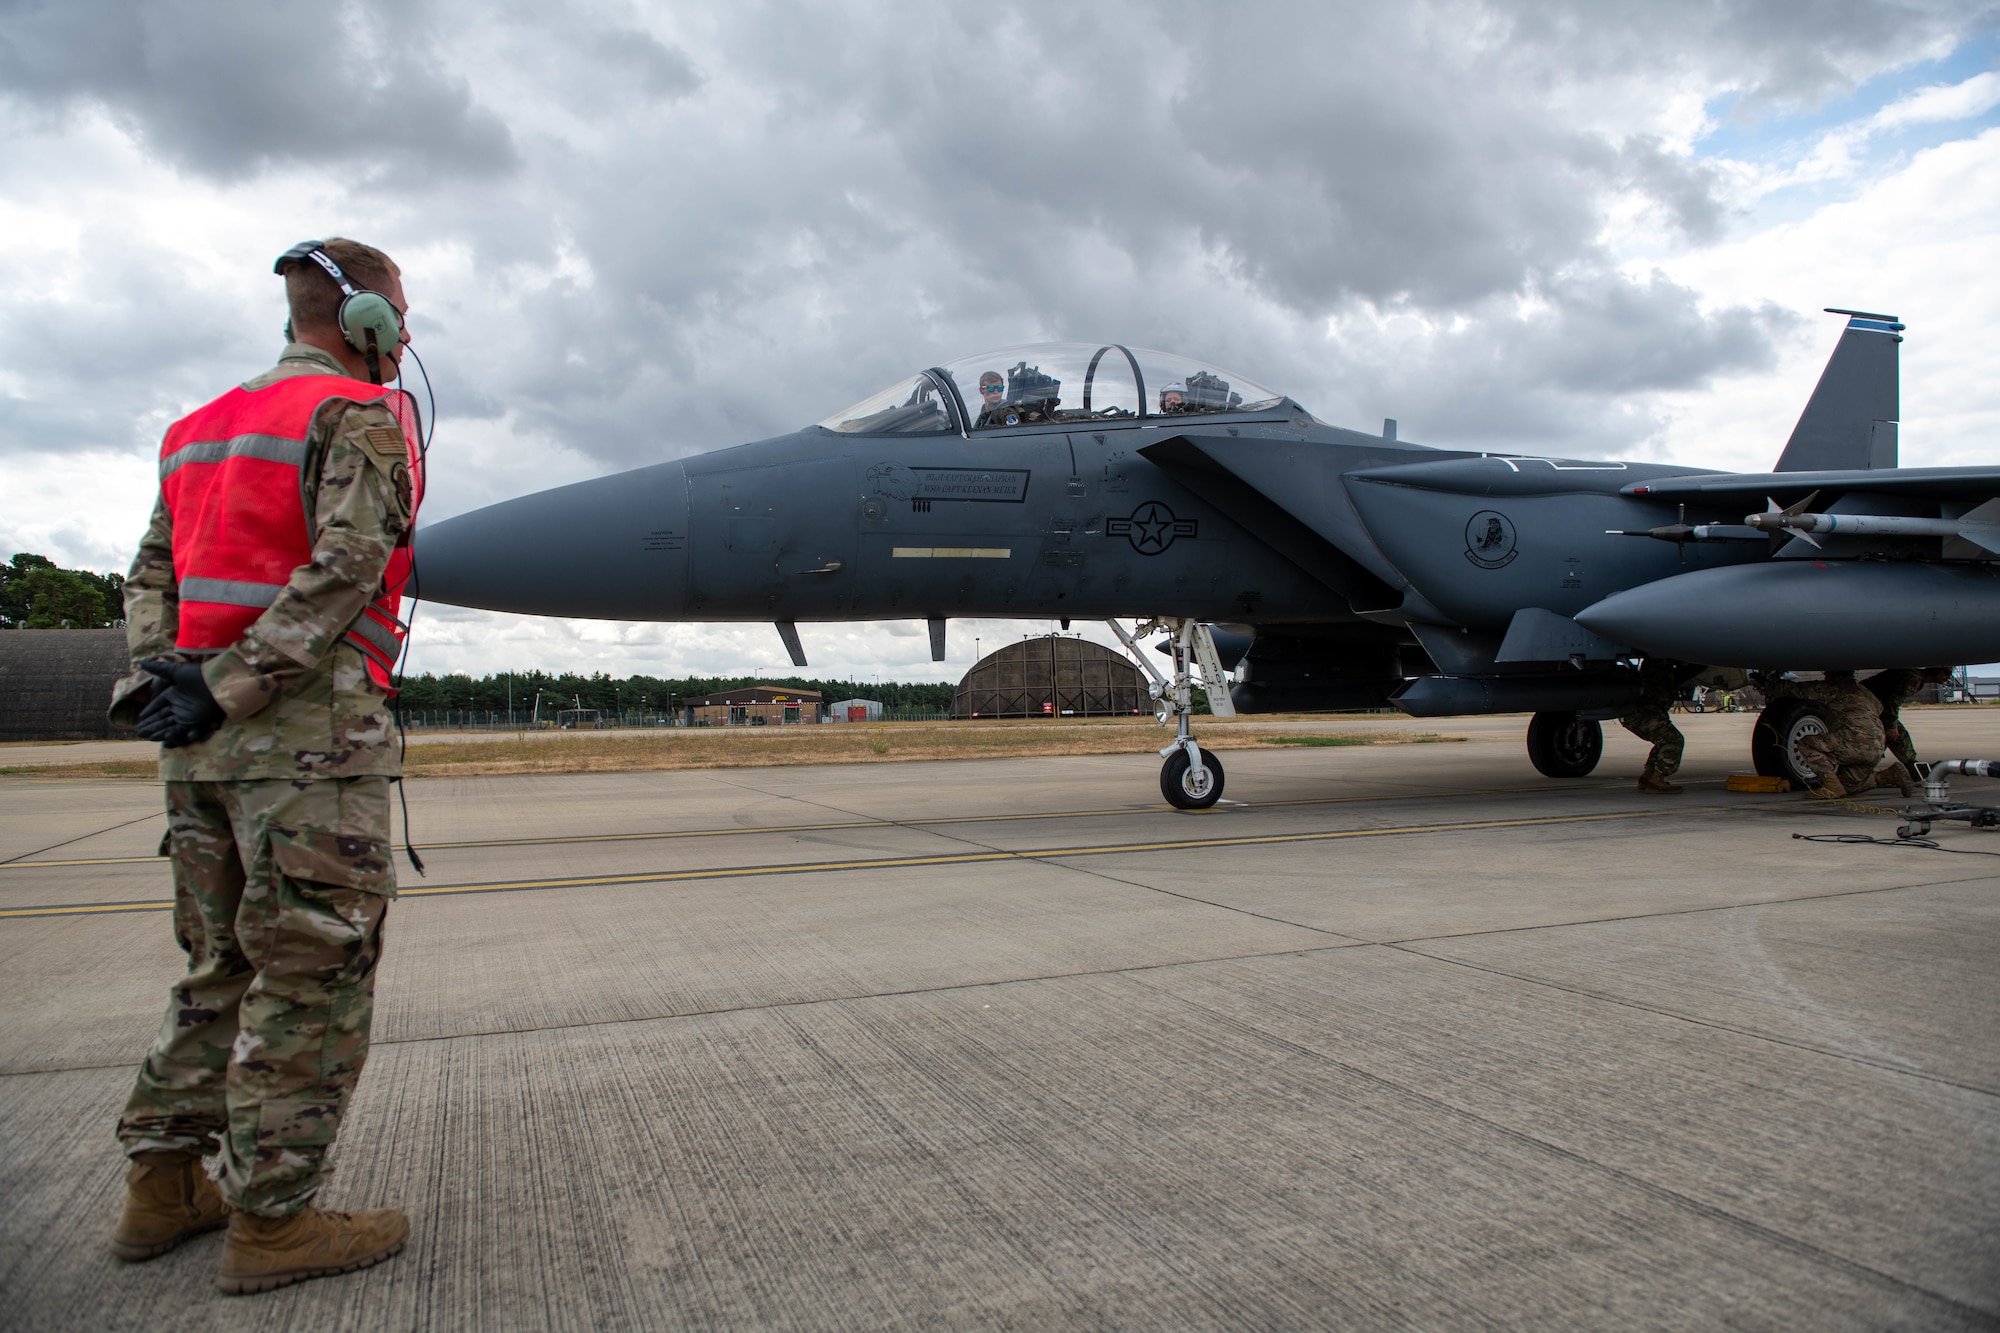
(1178, 786)
(1563, 745)
(1774, 745)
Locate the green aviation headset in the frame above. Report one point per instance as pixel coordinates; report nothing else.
(368, 320)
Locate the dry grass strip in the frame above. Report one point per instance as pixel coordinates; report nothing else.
(768, 747)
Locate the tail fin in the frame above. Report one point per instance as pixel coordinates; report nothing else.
(1850, 420)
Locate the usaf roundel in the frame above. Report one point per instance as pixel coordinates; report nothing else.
(1489, 539)
(1152, 528)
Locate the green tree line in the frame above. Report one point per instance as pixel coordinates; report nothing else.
(631, 694)
(36, 593)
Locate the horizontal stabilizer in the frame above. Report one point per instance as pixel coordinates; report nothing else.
(1850, 420)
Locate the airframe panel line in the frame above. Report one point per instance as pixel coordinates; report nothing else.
(865, 824)
(903, 862)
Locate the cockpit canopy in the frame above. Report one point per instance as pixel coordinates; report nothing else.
(1043, 383)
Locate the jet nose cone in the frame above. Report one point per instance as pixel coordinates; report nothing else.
(611, 549)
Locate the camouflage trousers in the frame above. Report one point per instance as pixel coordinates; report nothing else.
(1849, 758)
(280, 888)
(1651, 724)
(1901, 745)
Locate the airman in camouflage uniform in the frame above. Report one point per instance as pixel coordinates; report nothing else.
(1896, 688)
(1659, 686)
(279, 831)
(1844, 756)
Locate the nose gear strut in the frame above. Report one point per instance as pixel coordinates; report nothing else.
(1191, 778)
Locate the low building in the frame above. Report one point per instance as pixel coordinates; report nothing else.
(1055, 675)
(55, 684)
(754, 706)
(854, 710)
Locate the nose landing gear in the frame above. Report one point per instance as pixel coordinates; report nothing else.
(1191, 777)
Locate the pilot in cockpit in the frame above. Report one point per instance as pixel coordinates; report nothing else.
(1173, 399)
(993, 403)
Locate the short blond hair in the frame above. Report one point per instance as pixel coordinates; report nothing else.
(315, 297)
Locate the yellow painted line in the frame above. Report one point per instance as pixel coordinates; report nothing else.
(88, 909)
(913, 862)
(951, 552)
(736, 832)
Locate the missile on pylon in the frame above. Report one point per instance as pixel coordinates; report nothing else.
(1980, 526)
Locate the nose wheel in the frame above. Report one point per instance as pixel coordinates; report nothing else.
(1188, 787)
(1190, 777)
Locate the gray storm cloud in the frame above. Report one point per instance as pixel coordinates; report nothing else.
(690, 227)
(231, 87)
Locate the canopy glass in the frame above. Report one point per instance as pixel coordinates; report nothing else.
(1041, 383)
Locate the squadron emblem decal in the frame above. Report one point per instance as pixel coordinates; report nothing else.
(1151, 529)
(1489, 539)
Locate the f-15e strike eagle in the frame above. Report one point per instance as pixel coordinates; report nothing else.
(1343, 570)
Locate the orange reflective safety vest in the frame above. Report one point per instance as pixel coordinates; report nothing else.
(232, 474)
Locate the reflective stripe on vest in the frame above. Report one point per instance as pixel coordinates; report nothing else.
(232, 476)
(267, 447)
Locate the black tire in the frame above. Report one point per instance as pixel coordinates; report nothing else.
(1563, 745)
(1174, 785)
(1774, 744)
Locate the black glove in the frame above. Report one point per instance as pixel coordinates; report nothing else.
(183, 712)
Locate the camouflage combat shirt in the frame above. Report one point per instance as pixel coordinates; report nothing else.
(297, 696)
(1853, 714)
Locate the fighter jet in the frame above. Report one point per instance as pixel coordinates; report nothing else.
(1328, 568)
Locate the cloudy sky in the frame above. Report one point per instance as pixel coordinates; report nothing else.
(632, 232)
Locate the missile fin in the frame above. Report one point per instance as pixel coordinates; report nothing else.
(1982, 526)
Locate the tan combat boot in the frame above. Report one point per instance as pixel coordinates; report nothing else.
(168, 1197)
(1652, 780)
(1898, 776)
(265, 1253)
(1829, 789)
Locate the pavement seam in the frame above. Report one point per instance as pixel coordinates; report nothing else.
(82, 837)
(1675, 1015)
(776, 1006)
(923, 826)
(1678, 911)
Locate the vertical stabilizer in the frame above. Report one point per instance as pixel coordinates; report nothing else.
(1850, 420)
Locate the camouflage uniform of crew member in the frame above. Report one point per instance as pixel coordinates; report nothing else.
(1659, 686)
(1896, 688)
(279, 831)
(1844, 756)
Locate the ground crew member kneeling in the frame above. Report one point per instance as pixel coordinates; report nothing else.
(1844, 756)
(1896, 688)
(261, 617)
